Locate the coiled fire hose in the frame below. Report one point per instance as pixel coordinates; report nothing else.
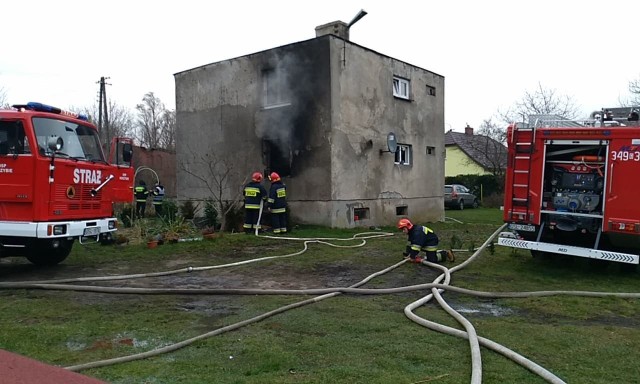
(326, 293)
(474, 340)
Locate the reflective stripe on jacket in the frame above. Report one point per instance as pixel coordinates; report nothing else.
(141, 193)
(421, 238)
(278, 197)
(158, 195)
(254, 193)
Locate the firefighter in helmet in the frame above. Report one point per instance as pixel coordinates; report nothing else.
(254, 196)
(277, 203)
(158, 197)
(141, 193)
(423, 238)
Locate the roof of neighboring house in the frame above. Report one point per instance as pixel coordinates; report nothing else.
(474, 147)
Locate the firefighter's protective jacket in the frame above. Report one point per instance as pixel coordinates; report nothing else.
(421, 238)
(254, 193)
(141, 192)
(277, 197)
(158, 194)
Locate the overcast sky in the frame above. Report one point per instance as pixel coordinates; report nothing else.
(490, 52)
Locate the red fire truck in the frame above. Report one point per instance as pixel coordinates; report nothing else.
(55, 183)
(571, 187)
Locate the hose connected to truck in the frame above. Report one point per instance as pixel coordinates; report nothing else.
(436, 288)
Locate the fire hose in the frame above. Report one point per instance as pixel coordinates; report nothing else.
(472, 337)
(474, 340)
(435, 287)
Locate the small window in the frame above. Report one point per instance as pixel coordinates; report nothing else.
(403, 154)
(360, 214)
(431, 150)
(402, 210)
(274, 89)
(401, 87)
(431, 91)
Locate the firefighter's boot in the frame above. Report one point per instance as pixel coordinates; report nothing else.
(451, 257)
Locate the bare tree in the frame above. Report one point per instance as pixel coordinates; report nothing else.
(168, 133)
(493, 130)
(150, 121)
(634, 88)
(3, 98)
(215, 173)
(489, 142)
(121, 123)
(542, 101)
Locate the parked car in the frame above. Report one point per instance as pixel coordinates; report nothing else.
(459, 196)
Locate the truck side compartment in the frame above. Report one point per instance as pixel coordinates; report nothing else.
(570, 189)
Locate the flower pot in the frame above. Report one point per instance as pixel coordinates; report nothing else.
(210, 236)
(152, 244)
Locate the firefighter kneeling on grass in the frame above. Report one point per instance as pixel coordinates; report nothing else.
(422, 238)
(254, 194)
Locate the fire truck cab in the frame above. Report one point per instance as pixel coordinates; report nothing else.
(56, 185)
(571, 187)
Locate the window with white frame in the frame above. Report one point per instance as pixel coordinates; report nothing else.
(403, 154)
(274, 89)
(400, 87)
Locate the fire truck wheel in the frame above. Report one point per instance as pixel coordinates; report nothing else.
(45, 255)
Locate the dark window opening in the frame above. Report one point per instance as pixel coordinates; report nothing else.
(402, 210)
(431, 91)
(360, 214)
(431, 150)
(277, 158)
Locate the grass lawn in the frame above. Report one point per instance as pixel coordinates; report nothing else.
(348, 338)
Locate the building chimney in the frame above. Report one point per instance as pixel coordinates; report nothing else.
(468, 130)
(338, 28)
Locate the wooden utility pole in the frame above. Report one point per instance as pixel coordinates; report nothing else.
(103, 108)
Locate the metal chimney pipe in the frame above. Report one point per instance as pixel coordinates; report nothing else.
(359, 16)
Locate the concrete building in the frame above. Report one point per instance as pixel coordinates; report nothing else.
(319, 112)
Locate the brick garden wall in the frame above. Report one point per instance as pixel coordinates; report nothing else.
(163, 162)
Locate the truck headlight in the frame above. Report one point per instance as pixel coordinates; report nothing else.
(56, 230)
